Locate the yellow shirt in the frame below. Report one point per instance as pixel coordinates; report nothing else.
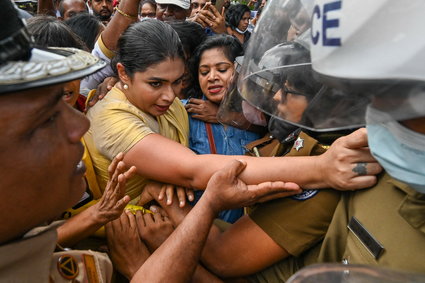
(117, 125)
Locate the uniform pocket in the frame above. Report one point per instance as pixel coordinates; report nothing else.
(361, 247)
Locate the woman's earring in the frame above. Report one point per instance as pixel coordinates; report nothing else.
(125, 86)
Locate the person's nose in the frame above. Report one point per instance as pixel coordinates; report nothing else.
(169, 95)
(212, 76)
(77, 124)
(278, 96)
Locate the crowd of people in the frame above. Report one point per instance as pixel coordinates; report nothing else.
(195, 141)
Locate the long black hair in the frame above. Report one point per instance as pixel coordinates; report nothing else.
(231, 49)
(48, 31)
(235, 14)
(147, 43)
(86, 26)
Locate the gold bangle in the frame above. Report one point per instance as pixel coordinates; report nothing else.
(125, 14)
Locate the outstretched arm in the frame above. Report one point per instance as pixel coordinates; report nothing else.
(331, 169)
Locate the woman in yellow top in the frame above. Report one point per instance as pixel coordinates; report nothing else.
(142, 118)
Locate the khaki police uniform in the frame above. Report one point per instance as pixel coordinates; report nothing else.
(32, 259)
(300, 222)
(382, 226)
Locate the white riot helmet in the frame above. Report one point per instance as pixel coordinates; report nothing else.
(373, 49)
(277, 76)
(376, 50)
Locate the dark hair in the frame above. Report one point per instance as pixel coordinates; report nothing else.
(151, 2)
(234, 15)
(191, 35)
(147, 43)
(230, 46)
(86, 26)
(49, 31)
(62, 9)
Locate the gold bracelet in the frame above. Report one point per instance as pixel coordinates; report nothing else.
(125, 14)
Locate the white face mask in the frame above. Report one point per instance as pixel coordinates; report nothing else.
(241, 32)
(399, 150)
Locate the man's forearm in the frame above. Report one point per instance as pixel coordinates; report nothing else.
(178, 256)
(119, 23)
(79, 227)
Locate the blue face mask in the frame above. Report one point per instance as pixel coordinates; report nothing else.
(400, 151)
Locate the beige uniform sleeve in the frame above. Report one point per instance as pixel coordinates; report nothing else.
(299, 222)
(297, 225)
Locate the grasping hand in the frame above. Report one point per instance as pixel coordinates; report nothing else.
(102, 89)
(126, 249)
(203, 110)
(348, 164)
(226, 191)
(154, 229)
(158, 191)
(168, 191)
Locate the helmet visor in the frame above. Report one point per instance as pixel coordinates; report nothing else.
(277, 77)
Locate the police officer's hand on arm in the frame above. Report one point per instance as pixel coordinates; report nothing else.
(348, 164)
(178, 257)
(226, 191)
(176, 211)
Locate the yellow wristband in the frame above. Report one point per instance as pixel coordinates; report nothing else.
(133, 208)
(125, 14)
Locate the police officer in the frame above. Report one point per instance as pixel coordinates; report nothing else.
(42, 173)
(385, 225)
(41, 168)
(379, 69)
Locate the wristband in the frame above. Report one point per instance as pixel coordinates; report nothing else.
(125, 14)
